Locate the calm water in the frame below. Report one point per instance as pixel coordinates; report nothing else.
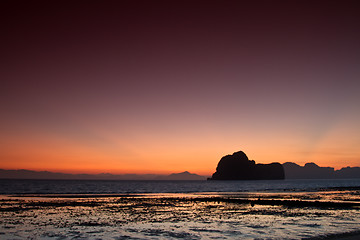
(125, 187)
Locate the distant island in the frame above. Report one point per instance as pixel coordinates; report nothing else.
(28, 174)
(313, 171)
(238, 167)
(230, 167)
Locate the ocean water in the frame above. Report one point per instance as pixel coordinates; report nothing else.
(128, 187)
(290, 209)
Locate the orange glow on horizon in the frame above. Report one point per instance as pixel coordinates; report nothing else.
(161, 153)
(55, 156)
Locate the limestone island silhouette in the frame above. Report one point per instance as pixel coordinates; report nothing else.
(238, 167)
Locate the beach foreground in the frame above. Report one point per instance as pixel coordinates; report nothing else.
(299, 215)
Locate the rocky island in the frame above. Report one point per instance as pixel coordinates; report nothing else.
(238, 167)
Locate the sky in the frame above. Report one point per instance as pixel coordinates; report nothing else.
(171, 86)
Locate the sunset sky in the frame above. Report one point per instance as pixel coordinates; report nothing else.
(170, 86)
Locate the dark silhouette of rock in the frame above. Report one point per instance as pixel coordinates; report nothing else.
(313, 171)
(348, 172)
(309, 171)
(293, 170)
(238, 167)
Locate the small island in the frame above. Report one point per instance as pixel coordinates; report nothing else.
(238, 167)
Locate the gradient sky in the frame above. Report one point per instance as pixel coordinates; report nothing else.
(169, 86)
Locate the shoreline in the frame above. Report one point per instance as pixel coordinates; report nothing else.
(332, 197)
(220, 193)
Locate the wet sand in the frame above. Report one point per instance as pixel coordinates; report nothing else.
(301, 215)
(355, 235)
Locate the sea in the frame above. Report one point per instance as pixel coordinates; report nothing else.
(10, 186)
(110, 209)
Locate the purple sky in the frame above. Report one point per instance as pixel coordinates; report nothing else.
(164, 86)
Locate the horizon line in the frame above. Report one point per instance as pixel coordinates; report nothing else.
(148, 173)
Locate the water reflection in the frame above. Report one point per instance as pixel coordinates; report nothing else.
(187, 216)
